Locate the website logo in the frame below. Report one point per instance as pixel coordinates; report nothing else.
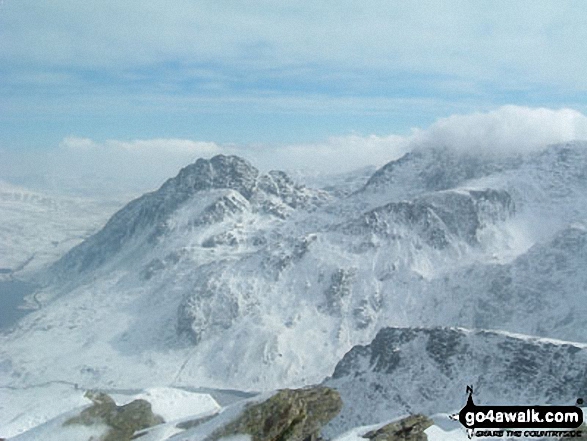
(516, 421)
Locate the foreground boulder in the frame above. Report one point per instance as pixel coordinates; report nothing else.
(289, 415)
(123, 421)
(408, 429)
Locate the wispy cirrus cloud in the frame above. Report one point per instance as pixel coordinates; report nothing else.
(103, 69)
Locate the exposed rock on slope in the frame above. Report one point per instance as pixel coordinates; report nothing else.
(439, 218)
(286, 279)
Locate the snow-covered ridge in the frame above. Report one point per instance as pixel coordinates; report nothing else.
(426, 370)
(434, 169)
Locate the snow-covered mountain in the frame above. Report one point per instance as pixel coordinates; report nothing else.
(228, 277)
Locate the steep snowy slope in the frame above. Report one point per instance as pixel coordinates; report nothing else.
(418, 370)
(542, 292)
(223, 263)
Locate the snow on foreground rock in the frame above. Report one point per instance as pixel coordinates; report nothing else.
(171, 403)
(293, 415)
(109, 416)
(289, 415)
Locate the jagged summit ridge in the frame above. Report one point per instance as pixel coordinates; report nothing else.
(219, 172)
(220, 186)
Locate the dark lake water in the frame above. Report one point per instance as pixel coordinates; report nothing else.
(11, 296)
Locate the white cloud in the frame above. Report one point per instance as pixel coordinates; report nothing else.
(74, 144)
(336, 154)
(507, 129)
(142, 165)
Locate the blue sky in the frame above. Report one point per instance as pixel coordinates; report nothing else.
(276, 73)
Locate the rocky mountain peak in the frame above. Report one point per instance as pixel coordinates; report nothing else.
(219, 172)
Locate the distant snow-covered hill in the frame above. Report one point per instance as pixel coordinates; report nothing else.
(36, 229)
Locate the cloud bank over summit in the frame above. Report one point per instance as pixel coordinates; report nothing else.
(507, 130)
(143, 164)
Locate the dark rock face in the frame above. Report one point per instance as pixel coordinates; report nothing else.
(227, 238)
(279, 184)
(439, 216)
(340, 288)
(425, 370)
(540, 293)
(221, 209)
(408, 429)
(211, 307)
(419, 216)
(289, 415)
(123, 421)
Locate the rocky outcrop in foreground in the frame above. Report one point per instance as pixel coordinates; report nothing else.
(123, 421)
(289, 415)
